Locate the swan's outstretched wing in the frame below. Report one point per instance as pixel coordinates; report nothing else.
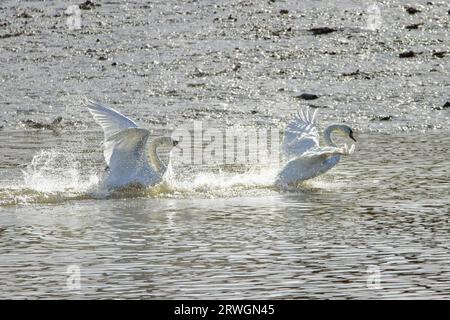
(126, 149)
(109, 119)
(300, 134)
(124, 141)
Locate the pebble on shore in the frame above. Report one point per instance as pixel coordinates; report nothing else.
(88, 5)
(445, 106)
(322, 30)
(307, 96)
(407, 54)
(413, 26)
(382, 118)
(412, 10)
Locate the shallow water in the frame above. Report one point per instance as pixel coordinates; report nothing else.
(228, 233)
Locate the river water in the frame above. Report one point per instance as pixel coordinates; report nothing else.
(375, 226)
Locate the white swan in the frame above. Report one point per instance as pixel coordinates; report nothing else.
(306, 159)
(125, 150)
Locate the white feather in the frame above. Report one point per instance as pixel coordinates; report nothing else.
(109, 119)
(300, 135)
(125, 149)
(306, 159)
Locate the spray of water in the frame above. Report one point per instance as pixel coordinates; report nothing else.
(58, 175)
(57, 171)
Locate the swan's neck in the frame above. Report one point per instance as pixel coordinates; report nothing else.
(327, 134)
(155, 161)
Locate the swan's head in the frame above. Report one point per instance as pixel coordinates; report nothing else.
(347, 130)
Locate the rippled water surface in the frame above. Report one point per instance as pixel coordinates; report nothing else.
(386, 206)
(381, 214)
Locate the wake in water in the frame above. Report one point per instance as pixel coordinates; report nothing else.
(52, 176)
(56, 176)
(216, 182)
(57, 171)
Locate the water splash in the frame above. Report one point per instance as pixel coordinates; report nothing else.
(212, 181)
(53, 176)
(57, 171)
(56, 176)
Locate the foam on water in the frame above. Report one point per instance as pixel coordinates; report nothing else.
(220, 181)
(52, 176)
(57, 175)
(57, 171)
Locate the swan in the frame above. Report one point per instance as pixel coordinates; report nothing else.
(125, 150)
(300, 146)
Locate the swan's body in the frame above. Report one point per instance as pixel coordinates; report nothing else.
(125, 150)
(306, 159)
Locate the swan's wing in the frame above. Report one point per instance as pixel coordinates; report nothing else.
(109, 119)
(126, 148)
(310, 164)
(300, 134)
